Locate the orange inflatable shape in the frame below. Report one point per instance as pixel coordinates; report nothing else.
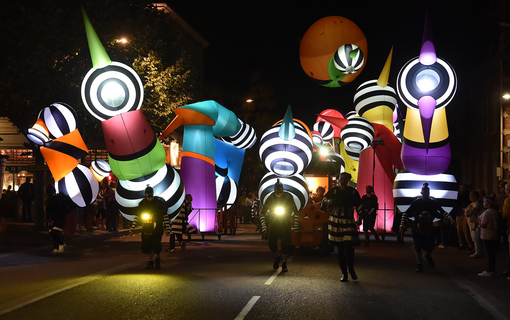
(320, 43)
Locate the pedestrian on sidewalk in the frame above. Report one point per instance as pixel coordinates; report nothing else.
(151, 214)
(342, 229)
(424, 211)
(489, 234)
(368, 214)
(59, 207)
(26, 193)
(472, 212)
(275, 220)
(180, 226)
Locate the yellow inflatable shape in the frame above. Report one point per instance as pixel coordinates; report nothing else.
(351, 166)
(413, 129)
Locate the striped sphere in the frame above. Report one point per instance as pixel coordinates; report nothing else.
(226, 190)
(325, 129)
(100, 168)
(407, 186)
(317, 138)
(347, 59)
(167, 184)
(38, 137)
(244, 139)
(351, 114)
(59, 118)
(112, 90)
(370, 95)
(357, 134)
(80, 185)
(286, 157)
(295, 185)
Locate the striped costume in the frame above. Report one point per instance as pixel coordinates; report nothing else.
(341, 224)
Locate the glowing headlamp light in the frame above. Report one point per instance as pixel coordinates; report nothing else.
(279, 210)
(146, 216)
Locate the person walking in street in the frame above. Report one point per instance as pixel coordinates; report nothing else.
(26, 193)
(342, 229)
(58, 207)
(368, 214)
(488, 221)
(151, 214)
(424, 211)
(179, 226)
(275, 220)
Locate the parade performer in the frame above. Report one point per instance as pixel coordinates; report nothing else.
(342, 228)
(424, 211)
(151, 213)
(275, 219)
(369, 214)
(180, 224)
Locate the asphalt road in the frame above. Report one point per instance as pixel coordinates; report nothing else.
(233, 279)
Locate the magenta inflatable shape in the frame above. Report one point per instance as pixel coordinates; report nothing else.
(428, 53)
(427, 105)
(200, 181)
(426, 162)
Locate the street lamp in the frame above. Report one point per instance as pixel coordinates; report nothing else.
(249, 100)
(506, 96)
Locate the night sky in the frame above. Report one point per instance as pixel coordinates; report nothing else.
(263, 39)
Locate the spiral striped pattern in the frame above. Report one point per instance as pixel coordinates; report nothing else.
(407, 186)
(80, 185)
(325, 129)
(357, 134)
(409, 92)
(59, 118)
(226, 190)
(317, 138)
(244, 139)
(370, 95)
(112, 90)
(351, 114)
(346, 63)
(283, 157)
(295, 185)
(167, 184)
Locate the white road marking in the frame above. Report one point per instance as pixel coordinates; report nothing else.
(276, 273)
(247, 308)
(36, 296)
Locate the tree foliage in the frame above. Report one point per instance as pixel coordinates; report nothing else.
(44, 56)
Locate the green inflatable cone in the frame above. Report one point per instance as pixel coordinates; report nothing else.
(98, 54)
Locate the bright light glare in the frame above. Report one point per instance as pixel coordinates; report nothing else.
(279, 211)
(145, 216)
(506, 96)
(324, 152)
(249, 100)
(123, 41)
(427, 80)
(113, 94)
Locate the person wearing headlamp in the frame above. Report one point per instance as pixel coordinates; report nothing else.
(151, 213)
(275, 219)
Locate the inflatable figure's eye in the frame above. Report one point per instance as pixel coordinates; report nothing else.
(417, 80)
(112, 90)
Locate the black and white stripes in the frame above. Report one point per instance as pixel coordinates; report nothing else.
(370, 95)
(296, 185)
(357, 135)
(348, 58)
(244, 139)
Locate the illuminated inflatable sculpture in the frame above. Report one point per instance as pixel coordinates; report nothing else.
(286, 150)
(113, 93)
(202, 122)
(62, 146)
(333, 51)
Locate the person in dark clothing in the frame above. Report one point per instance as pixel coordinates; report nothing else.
(342, 226)
(26, 193)
(151, 214)
(58, 207)
(368, 214)
(179, 226)
(275, 221)
(424, 211)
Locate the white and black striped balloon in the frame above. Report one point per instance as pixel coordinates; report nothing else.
(325, 129)
(295, 185)
(370, 95)
(407, 186)
(166, 183)
(286, 157)
(59, 118)
(317, 138)
(112, 90)
(357, 135)
(344, 62)
(80, 185)
(226, 190)
(244, 139)
(351, 114)
(38, 137)
(100, 168)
